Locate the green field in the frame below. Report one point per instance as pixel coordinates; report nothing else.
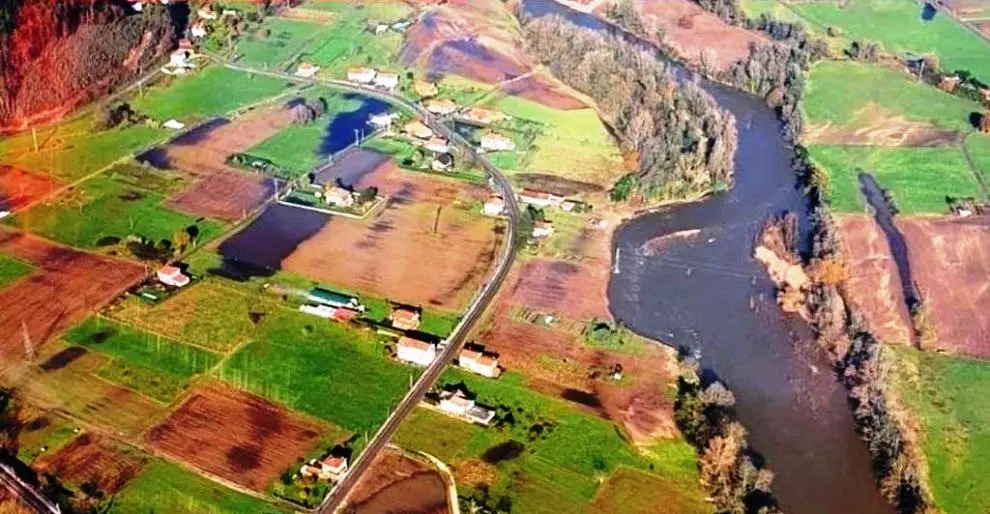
(573, 144)
(325, 369)
(214, 91)
(839, 91)
(948, 395)
(114, 205)
(167, 488)
(150, 364)
(12, 269)
(54, 432)
(918, 178)
(299, 148)
(440, 324)
(349, 43)
(285, 39)
(979, 150)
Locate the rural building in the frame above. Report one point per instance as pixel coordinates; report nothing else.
(344, 315)
(484, 116)
(949, 83)
(441, 107)
(321, 311)
(361, 75)
(198, 30)
(137, 5)
(401, 26)
(437, 145)
(540, 199)
(480, 362)
(179, 62)
(985, 94)
(493, 206)
(172, 276)
(495, 142)
(405, 319)
(334, 299)
(415, 351)
(387, 81)
(381, 121)
(425, 89)
(380, 29)
(329, 468)
(442, 162)
(456, 403)
(418, 130)
(174, 125)
(307, 70)
(206, 14)
(338, 196)
(542, 229)
(567, 205)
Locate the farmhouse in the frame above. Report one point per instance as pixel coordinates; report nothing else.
(329, 468)
(387, 81)
(540, 198)
(333, 299)
(493, 206)
(441, 107)
(361, 75)
(949, 83)
(206, 14)
(380, 29)
(484, 116)
(442, 162)
(381, 121)
(425, 89)
(542, 229)
(198, 30)
(321, 311)
(495, 142)
(172, 276)
(456, 403)
(179, 62)
(480, 362)
(338, 196)
(418, 130)
(307, 70)
(437, 145)
(404, 318)
(415, 351)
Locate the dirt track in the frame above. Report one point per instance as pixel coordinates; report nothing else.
(68, 286)
(236, 435)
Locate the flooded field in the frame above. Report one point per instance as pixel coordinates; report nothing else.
(351, 167)
(422, 493)
(273, 236)
(340, 131)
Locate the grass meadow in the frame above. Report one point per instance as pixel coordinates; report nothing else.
(12, 269)
(115, 204)
(328, 370)
(349, 44)
(284, 39)
(918, 178)
(165, 487)
(979, 149)
(214, 91)
(947, 395)
(157, 367)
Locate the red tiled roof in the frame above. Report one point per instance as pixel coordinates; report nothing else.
(414, 343)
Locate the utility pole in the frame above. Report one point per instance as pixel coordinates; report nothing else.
(28, 346)
(357, 139)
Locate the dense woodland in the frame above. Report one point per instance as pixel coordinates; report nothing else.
(54, 55)
(684, 141)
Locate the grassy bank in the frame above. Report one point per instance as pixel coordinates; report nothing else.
(12, 269)
(207, 93)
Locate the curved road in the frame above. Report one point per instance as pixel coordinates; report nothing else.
(478, 305)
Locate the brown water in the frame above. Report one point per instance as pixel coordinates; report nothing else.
(707, 294)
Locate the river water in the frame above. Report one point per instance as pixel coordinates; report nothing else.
(706, 293)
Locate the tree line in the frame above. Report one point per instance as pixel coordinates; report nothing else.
(683, 140)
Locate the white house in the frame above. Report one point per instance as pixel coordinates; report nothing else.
(380, 29)
(230, 12)
(540, 198)
(172, 276)
(198, 30)
(338, 196)
(542, 229)
(387, 81)
(381, 121)
(329, 468)
(456, 403)
(206, 14)
(437, 145)
(137, 5)
(494, 206)
(179, 58)
(322, 311)
(307, 70)
(415, 351)
(361, 75)
(480, 362)
(495, 142)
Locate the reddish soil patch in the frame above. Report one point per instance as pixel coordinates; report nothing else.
(692, 31)
(576, 291)
(950, 262)
(874, 286)
(399, 483)
(68, 286)
(982, 26)
(10, 504)
(19, 189)
(480, 40)
(410, 186)
(223, 192)
(384, 254)
(94, 460)
(235, 435)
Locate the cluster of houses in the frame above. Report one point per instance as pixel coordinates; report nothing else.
(423, 136)
(332, 305)
(371, 77)
(490, 141)
(542, 200)
(382, 28)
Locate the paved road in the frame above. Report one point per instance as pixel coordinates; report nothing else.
(28, 495)
(475, 310)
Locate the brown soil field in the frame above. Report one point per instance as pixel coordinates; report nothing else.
(384, 254)
(543, 90)
(966, 9)
(950, 262)
(877, 127)
(480, 40)
(703, 29)
(982, 26)
(222, 191)
(235, 435)
(573, 290)
(68, 286)
(95, 460)
(9, 504)
(874, 286)
(397, 482)
(19, 188)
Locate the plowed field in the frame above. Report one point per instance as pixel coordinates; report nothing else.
(94, 460)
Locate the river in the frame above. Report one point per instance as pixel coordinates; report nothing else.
(708, 294)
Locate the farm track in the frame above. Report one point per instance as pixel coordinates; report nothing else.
(481, 301)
